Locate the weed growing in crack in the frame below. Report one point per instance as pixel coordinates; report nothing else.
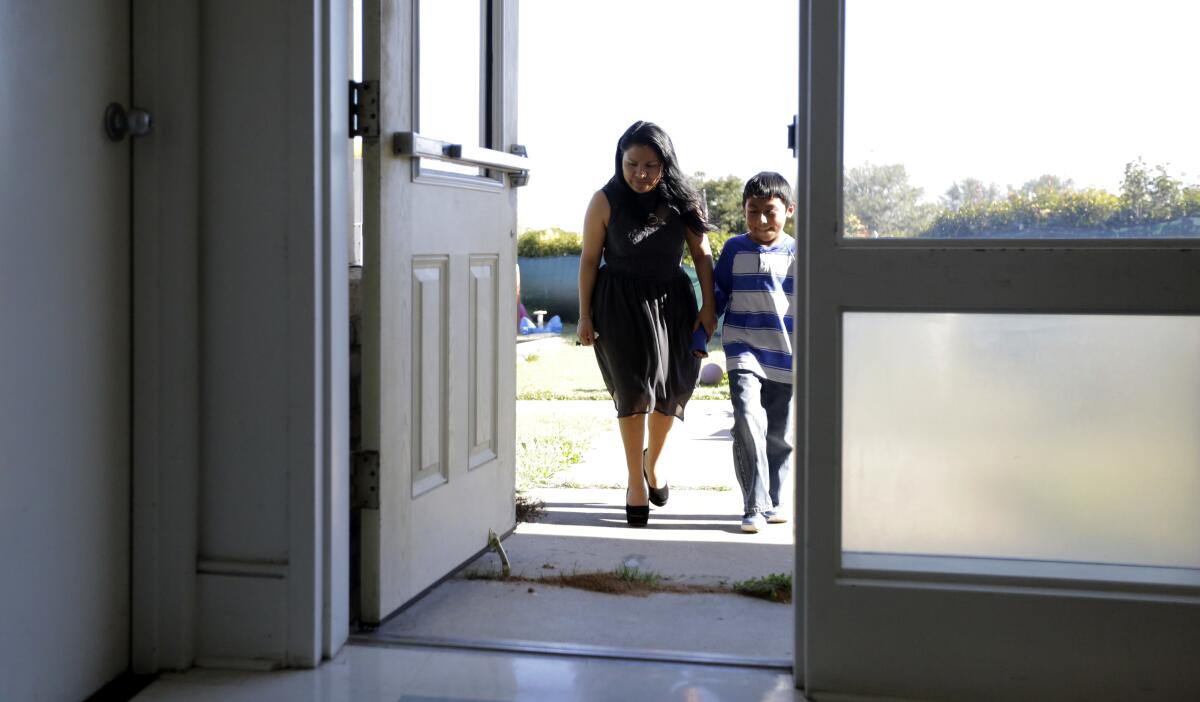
(637, 576)
(776, 587)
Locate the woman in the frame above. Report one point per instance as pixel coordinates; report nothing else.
(639, 308)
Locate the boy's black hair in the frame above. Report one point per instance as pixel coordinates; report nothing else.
(674, 187)
(767, 185)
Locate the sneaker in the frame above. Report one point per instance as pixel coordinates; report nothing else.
(752, 523)
(775, 517)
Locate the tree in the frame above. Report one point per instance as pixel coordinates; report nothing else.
(1047, 185)
(723, 197)
(970, 191)
(1166, 196)
(1150, 197)
(884, 201)
(1135, 190)
(1191, 201)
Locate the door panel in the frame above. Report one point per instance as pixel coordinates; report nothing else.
(438, 353)
(429, 382)
(910, 607)
(64, 390)
(482, 395)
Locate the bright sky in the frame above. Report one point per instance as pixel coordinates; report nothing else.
(718, 76)
(1000, 91)
(1007, 91)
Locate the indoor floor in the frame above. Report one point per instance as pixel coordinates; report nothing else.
(420, 674)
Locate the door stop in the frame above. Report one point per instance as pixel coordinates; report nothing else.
(495, 545)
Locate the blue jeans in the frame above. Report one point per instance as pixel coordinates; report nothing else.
(762, 413)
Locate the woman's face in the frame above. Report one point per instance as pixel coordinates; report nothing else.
(642, 168)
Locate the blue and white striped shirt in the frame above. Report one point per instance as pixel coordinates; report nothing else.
(755, 290)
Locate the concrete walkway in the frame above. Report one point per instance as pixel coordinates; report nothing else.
(697, 455)
(696, 538)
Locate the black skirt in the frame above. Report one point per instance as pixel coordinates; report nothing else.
(645, 327)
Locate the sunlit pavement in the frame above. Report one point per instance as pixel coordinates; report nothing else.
(696, 538)
(568, 644)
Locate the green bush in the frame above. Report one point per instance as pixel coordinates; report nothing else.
(717, 241)
(1151, 203)
(543, 243)
(1059, 211)
(1191, 202)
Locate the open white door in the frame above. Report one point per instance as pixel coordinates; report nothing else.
(439, 301)
(1002, 476)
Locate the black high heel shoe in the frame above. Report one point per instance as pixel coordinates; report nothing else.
(657, 495)
(635, 515)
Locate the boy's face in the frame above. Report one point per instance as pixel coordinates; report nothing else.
(765, 218)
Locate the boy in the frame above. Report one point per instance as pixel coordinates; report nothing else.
(753, 286)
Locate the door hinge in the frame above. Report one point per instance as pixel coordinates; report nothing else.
(793, 133)
(364, 109)
(364, 480)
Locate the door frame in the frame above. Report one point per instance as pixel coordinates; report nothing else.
(166, 337)
(1022, 276)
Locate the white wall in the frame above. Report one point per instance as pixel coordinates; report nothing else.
(64, 352)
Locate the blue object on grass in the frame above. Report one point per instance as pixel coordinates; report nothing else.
(526, 326)
(554, 325)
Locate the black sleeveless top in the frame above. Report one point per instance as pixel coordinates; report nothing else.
(645, 238)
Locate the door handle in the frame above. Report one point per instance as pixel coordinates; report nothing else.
(117, 122)
(514, 162)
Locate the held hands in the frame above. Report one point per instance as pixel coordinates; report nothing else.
(585, 332)
(708, 319)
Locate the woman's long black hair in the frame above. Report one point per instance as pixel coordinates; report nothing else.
(673, 188)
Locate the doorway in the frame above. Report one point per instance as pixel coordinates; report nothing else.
(712, 504)
(1030, 269)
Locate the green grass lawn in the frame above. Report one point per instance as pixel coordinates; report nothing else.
(554, 368)
(549, 442)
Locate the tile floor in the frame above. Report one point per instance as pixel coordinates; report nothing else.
(417, 674)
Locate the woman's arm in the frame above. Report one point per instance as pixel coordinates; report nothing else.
(723, 277)
(703, 260)
(595, 223)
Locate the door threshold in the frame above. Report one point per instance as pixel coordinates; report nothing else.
(569, 649)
